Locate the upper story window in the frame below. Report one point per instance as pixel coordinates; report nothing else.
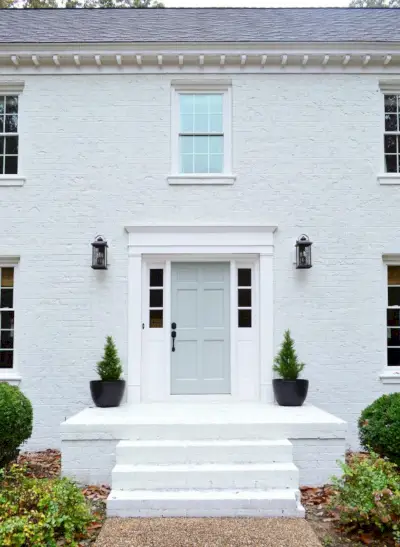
(201, 132)
(392, 133)
(8, 134)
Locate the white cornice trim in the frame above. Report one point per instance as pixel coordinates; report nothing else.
(391, 258)
(200, 228)
(11, 87)
(8, 260)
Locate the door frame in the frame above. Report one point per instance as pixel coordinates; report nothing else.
(200, 243)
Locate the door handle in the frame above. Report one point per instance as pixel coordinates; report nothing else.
(173, 336)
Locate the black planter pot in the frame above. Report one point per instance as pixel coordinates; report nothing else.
(290, 392)
(107, 394)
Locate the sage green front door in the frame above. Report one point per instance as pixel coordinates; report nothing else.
(200, 362)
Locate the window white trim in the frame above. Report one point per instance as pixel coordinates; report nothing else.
(11, 88)
(12, 180)
(206, 86)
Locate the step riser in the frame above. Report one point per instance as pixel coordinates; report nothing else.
(203, 432)
(204, 454)
(170, 479)
(190, 508)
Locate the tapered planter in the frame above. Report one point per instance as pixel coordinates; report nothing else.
(290, 392)
(107, 394)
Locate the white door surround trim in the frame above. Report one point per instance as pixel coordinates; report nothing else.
(196, 242)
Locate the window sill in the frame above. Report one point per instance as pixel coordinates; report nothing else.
(10, 377)
(201, 180)
(389, 178)
(12, 180)
(390, 376)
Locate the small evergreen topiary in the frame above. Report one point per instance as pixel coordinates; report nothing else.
(287, 365)
(16, 419)
(109, 368)
(379, 427)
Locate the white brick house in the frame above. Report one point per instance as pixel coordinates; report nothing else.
(201, 144)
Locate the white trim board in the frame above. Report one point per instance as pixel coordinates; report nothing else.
(213, 242)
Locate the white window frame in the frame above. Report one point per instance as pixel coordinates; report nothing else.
(16, 89)
(11, 375)
(208, 86)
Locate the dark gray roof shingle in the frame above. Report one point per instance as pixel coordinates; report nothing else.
(200, 25)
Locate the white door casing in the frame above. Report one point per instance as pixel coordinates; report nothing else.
(251, 355)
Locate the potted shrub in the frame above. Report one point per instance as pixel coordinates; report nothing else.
(109, 390)
(289, 390)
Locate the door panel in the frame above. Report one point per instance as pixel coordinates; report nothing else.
(200, 293)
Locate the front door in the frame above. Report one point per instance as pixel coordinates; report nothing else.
(200, 362)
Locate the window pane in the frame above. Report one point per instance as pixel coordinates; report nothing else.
(216, 145)
(216, 125)
(244, 298)
(2, 99)
(6, 359)
(156, 277)
(6, 298)
(244, 318)
(216, 103)
(201, 102)
(244, 277)
(216, 163)
(390, 122)
(390, 144)
(1, 165)
(394, 296)
(187, 124)
(187, 145)
(2, 139)
(11, 145)
(11, 124)
(11, 165)
(187, 163)
(7, 277)
(201, 163)
(1, 124)
(391, 164)
(156, 319)
(156, 298)
(390, 103)
(201, 122)
(201, 145)
(6, 339)
(11, 105)
(186, 103)
(393, 357)
(6, 320)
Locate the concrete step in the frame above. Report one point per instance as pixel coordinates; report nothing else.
(205, 503)
(198, 452)
(206, 476)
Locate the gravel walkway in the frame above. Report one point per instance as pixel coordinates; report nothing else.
(189, 532)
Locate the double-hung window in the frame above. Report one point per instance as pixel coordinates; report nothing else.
(6, 317)
(392, 133)
(201, 127)
(8, 134)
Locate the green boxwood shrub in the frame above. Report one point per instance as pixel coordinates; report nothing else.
(379, 427)
(40, 512)
(367, 495)
(16, 418)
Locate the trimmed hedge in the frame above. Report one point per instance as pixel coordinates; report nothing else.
(379, 427)
(16, 419)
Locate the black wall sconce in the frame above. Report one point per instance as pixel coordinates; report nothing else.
(303, 253)
(99, 253)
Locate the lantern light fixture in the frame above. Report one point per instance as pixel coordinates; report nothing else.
(99, 253)
(303, 252)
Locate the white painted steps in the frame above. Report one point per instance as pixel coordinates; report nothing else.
(205, 503)
(176, 452)
(205, 477)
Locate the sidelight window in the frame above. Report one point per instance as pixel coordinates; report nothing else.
(6, 317)
(156, 298)
(244, 297)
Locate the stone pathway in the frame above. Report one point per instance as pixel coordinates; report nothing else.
(207, 532)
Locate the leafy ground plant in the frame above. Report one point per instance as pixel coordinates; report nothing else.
(41, 512)
(367, 496)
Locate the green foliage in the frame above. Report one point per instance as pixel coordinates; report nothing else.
(367, 496)
(374, 4)
(109, 368)
(37, 512)
(16, 418)
(379, 427)
(287, 365)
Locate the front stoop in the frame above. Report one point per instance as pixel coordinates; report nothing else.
(205, 478)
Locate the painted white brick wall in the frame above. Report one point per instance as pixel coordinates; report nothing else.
(96, 152)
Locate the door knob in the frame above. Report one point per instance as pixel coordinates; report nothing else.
(173, 326)
(173, 336)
